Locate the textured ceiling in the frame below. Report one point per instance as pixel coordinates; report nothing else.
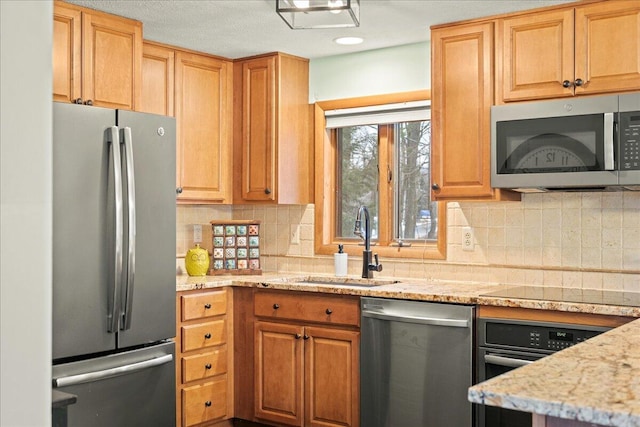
(239, 28)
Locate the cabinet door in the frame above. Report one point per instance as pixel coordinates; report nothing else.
(608, 47)
(204, 114)
(157, 80)
(67, 53)
(536, 51)
(258, 129)
(462, 76)
(279, 373)
(332, 396)
(111, 61)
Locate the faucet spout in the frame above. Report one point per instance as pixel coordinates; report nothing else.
(367, 266)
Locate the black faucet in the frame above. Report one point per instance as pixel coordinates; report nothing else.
(367, 267)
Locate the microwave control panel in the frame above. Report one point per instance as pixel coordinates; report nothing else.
(630, 140)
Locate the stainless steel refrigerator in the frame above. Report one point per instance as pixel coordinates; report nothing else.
(114, 228)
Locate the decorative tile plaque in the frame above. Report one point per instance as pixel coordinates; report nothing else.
(236, 247)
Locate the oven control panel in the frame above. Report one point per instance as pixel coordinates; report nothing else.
(545, 337)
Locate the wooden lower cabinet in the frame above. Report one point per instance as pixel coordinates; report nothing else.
(204, 357)
(305, 373)
(204, 402)
(332, 377)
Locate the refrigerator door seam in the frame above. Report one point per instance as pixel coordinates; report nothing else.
(111, 372)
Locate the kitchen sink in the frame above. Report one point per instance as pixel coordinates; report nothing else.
(345, 281)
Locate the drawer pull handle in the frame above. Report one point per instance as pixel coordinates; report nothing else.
(207, 306)
(207, 403)
(298, 336)
(207, 335)
(306, 337)
(207, 366)
(329, 311)
(276, 306)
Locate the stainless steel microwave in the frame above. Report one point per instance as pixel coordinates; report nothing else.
(581, 144)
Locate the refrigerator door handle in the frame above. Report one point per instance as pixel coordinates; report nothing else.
(131, 240)
(113, 137)
(111, 372)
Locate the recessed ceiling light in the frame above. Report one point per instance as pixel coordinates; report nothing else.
(348, 40)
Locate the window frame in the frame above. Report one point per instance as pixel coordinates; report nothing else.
(326, 186)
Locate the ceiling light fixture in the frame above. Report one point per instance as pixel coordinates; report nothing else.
(306, 14)
(348, 40)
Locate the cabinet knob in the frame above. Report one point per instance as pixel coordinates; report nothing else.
(207, 335)
(298, 336)
(566, 83)
(328, 311)
(276, 306)
(88, 102)
(179, 190)
(77, 101)
(267, 191)
(207, 306)
(579, 82)
(207, 403)
(207, 366)
(435, 187)
(306, 337)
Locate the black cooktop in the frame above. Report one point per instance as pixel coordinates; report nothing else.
(584, 296)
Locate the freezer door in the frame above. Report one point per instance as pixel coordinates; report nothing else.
(83, 212)
(148, 302)
(134, 388)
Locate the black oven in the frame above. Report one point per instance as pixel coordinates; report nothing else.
(503, 345)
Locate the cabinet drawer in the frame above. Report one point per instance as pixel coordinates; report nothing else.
(203, 305)
(203, 335)
(206, 365)
(337, 310)
(204, 402)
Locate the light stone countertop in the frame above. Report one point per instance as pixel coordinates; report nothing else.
(597, 381)
(412, 289)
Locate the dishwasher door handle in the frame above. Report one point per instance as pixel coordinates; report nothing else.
(454, 323)
(505, 361)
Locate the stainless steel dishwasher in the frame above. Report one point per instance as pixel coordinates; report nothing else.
(416, 364)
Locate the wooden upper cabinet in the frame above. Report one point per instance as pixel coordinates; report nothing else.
(258, 129)
(157, 79)
(273, 149)
(462, 96)
(204, 116)
(608, 46)
(96, 57)
(67, 53)
(565, 52)
(112, 59)
(535, 55)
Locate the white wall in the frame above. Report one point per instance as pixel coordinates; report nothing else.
(392, 70)
(25, 212)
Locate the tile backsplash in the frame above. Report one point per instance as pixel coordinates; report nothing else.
(589, 240)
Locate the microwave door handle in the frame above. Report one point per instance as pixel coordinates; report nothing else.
(113, 138)
(608, 142)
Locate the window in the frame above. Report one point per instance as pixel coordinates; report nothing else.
(379, 158)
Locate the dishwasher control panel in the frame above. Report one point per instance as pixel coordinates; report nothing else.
(533, 335)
